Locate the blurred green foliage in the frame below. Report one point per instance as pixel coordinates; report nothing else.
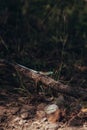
(43, 34)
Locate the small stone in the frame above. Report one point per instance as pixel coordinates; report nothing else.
(21, 122)
(52, 113)
(24, 115)
(51, 108)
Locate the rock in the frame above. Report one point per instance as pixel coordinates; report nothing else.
(51, 108)
(24, 115)
(52, 113)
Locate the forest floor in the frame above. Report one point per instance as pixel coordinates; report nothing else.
(25, 111)
(19, 112)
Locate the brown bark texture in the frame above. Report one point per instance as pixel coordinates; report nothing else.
(37, 77)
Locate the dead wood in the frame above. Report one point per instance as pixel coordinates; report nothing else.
(47, 81)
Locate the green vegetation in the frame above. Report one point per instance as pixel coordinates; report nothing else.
(43, 34)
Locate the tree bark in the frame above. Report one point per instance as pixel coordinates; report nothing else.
(47, 81)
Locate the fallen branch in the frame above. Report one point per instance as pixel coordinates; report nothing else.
(47, 81)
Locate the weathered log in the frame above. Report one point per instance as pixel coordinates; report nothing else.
(47, 81)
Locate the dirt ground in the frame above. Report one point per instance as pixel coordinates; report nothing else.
(18, 112)
(21, 110)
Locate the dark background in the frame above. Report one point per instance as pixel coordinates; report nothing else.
(43, 34)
